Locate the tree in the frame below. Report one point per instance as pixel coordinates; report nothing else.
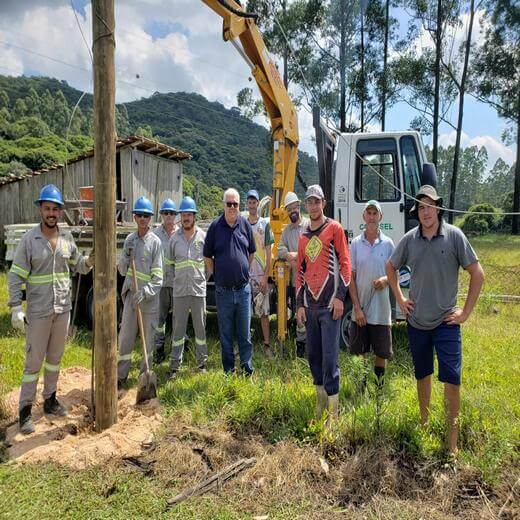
(19, 109)
(424, 83)
(462, 92)
(498, 72)
(249, 106)
(4, 99)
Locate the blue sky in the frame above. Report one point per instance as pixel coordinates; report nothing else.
(175, 45)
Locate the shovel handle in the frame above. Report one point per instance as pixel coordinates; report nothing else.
(140, 317)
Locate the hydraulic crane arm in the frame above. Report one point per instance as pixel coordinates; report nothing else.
(240, 28)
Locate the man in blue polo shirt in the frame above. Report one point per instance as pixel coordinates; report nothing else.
(229, 250)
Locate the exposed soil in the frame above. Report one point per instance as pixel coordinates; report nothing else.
(72, 441)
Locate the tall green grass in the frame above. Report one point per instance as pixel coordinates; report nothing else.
(277, 402)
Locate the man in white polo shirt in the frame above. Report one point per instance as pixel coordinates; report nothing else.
(371, 325)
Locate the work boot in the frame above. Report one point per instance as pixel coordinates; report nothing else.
(172, 374)
(121, 383)
(269, 354)
(52, 405)
(159, 355)
(321, 401)
(332, 408)
(300, 349)
(202, 369)
(26, 422)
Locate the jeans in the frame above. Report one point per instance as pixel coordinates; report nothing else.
(234, 318)
(323, 348)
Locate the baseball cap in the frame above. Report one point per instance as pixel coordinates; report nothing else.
(373, 204)
(426, 191)
(253, 194)
(314, 191)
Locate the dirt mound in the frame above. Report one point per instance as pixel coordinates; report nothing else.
(71, 441)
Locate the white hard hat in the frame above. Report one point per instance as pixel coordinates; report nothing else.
(290, 198)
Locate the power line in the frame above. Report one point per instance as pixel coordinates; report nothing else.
(134, 85)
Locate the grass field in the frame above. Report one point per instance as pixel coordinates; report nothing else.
(380, 463)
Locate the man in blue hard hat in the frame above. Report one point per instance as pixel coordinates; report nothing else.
(144, 247)
(185, 258)
(43, 261)
(165, 231)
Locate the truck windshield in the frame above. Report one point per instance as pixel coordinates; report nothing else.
(410, 162)
(376, 170)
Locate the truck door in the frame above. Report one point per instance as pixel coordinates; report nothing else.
(376, 166)
(411, 167)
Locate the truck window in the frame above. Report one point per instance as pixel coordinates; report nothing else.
(376, 163)
(411, 168)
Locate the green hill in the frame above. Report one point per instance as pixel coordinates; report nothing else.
(227, 149)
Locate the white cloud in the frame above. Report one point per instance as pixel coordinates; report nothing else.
(494, 147)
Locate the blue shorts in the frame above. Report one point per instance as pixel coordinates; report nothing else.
(446, 341)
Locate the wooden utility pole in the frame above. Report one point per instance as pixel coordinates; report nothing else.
(105, 276)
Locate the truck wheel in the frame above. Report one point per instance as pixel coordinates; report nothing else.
(344, 341)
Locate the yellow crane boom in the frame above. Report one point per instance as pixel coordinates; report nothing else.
(240, 28)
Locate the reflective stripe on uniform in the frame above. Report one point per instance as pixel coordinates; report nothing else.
(160, 329)
(20, 271)
(125, 357)
(140, 276)
(157, 271)
(178, 342)
(47, 279)
(167, 261)
(189, 263)
(199, 341)
(73, 261)
(29, 378)
(51, 368)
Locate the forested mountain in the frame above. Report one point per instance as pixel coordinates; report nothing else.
(227, 149)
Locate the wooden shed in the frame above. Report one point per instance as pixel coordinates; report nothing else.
(143, 167)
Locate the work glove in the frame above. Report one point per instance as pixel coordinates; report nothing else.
(282, 252)
(139, 297)
(91, 258)
(130, 248)
(18, 318)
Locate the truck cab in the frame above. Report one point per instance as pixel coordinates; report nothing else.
(377, 166)
(355, 168)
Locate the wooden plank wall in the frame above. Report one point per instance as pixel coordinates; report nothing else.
(141, 174)
(155, 178)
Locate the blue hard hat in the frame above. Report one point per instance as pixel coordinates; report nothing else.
(188, 205)
(143, 205)
(253, 194)
(50, 193)
(168, 205)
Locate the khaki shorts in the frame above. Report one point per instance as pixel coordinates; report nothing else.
(371, 338)
(255, 290)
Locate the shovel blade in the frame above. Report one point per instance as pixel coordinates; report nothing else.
(146, 387)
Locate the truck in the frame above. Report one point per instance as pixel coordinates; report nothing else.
(353, 167)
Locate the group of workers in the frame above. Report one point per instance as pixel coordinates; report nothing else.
(173, 263)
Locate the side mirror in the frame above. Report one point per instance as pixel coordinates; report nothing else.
(429, 175)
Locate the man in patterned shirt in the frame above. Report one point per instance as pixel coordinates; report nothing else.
(321, 287)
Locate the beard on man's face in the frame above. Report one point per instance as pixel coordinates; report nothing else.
(294, 216)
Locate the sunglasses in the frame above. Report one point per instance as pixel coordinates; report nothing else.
(142, 215)
(168, 213)
(232, 204)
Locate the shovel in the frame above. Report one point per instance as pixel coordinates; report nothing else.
(73, 327)
(147, 383)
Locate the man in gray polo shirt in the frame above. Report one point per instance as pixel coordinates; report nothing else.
(434, 251)
(371, 325)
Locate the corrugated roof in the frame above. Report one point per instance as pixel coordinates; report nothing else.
(140, 142)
